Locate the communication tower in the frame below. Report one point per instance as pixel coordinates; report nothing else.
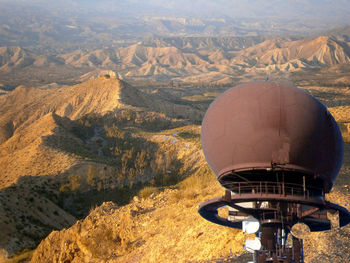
(277, 151)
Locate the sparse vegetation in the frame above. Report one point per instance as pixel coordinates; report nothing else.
(189, 135)
(22, 256)
(196, 184)
(148, 191)
(103, 234)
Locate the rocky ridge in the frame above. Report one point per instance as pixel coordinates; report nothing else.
(48, 145)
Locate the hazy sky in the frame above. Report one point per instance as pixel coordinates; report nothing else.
(139, 18)
(326, 9)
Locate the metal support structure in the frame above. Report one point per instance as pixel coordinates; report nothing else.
(277, 206)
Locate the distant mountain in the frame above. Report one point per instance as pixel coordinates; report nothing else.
(234, 9)
(215, 60)
(49, 27)
(293, 55)
(163, 60)
(208, 43)
(342, 33)
(14, 57)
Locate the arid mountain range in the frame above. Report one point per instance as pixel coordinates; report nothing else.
(188, 60)
(98, 170)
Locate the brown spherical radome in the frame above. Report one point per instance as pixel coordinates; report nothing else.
(267, 126)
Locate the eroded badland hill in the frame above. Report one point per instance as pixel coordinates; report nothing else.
(215, 60)
(99, 140)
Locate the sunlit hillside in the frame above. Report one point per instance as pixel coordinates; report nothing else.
(101, 105)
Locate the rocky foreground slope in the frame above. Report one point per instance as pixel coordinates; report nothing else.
(166, 227)
(162, 228)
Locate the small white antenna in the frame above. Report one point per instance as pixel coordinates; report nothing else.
(250, 225)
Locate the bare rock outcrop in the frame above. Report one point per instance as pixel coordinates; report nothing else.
(162, 228)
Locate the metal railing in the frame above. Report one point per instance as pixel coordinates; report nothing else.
(276, 188)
